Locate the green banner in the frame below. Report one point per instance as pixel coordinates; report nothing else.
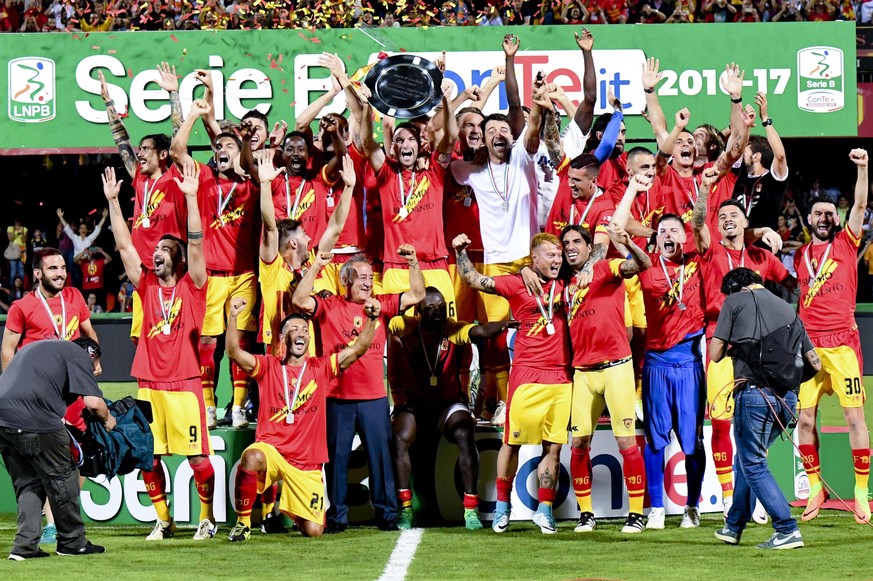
(53, 100)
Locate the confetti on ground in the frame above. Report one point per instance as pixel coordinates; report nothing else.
(173, 38)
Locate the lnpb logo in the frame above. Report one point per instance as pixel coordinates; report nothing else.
(31, 89)
(820, 79)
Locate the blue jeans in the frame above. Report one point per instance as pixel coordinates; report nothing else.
(755, 430)
(16, 268)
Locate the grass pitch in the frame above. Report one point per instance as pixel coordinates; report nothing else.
(833, 541)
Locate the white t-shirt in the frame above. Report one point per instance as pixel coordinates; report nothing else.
(573, 139)
(506, 235)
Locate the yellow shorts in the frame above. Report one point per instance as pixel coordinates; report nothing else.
(719, 389)
(497, 308)
(614, 387)
(302, 490)
(136, 323)
(634, 303)
(179, 416)
(840, 374)
(436, 274)
(469, 303)
(536, 412)
(220, 291)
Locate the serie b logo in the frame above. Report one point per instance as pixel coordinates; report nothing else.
(31, 89)
(820, 79)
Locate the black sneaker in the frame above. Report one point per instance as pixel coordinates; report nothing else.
(38, 555)
(635, 523)
(334, 528)
(586, 524)
(272, 525)
(88, 549)
(387, 525)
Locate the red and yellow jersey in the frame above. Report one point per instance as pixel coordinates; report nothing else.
(412, 209)
(668, 322)
(303, 198)
(366, 201)
(92, 273)
(535, 347)
(172, 319)
(28, 316)
(679, 194)
(303, 442)
(718, 261)
(828, 277)
(613, 170)
(159, 208)
(647, 207)
(417, 359)
(593, 214)
(338, 322)
(230, 211)
(277, 281)
(596, 314)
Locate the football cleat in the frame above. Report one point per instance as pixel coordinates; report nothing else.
(817, 497)
(691, 518)
(239, 533)
(656, 518)
(501, 522)
(862, 506)
(205, 530)
(634, 524)
(163, 530)
(471, 519)
(211, 418)
(586, 523)
(405, 521)
(239, 419)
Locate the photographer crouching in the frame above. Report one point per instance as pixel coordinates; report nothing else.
(35, 390)
(772, 354)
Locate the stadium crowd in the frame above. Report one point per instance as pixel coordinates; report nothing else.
(313, 253)
(125, 15)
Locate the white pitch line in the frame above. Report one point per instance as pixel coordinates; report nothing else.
(401, 557)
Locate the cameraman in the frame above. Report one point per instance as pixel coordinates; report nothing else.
(765, 395)
(43, 378)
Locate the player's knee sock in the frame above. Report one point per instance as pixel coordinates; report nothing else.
(204, 478)
(268, 501)
(404, 495)
(504, 494)
(654, 461)
(547, 499)
(471, 501)
(812, 465)
(207, 373)
(580, 471)
(695, 465)
(634, 478)
(244, 493)
(723, 456)
(239, 377)
(156, 486)
(861, 460)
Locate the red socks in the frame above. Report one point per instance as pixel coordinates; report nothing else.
(204, 477)
(580, 470)
(634, 478)
(244, 493)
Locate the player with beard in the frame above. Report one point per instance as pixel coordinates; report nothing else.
(604, 375)
(291, 438)
(159, 206)
(428, 358)
(828, 275)
(673, 378)
(166, 363)
(538, 404)
(229, 204)
(411, 200)
(358, 398)
(717, 260)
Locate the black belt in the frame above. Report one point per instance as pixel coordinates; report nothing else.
(604, 365)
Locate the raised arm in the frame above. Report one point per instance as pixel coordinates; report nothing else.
(497, 76)
(449, 134)
(856, 216)
(119, 131)
(584, 115)
(469, 274)
(516, 115)
(638, 261)
(170, 83)
(611, 132)
(416, 293)
(338, 219)
(269, 248)
(196, 259)
(372, 150)
(651, 78)
(780, 161)
(235, 353)
(702, 236)
(621, 215)
(310, 114)
(179, 145)
(665, 149)
(349, 355)
(129, 256)
(302, 298)
(540, 103)
(739, 138)
(209, 121)
(331, 130)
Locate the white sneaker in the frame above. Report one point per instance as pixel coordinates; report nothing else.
(205, 530)
(656, 518)
(691, 518)
(211, 418)
(499, 417)
(501, 522)
(163, 530)
(759, 515)
(728, 503)
(238, 415)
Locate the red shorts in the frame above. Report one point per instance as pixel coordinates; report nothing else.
(850, 338)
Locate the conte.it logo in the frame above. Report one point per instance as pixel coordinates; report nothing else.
(820, 79)
(31, 89)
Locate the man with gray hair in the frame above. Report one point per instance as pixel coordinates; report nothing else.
(357, 399)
